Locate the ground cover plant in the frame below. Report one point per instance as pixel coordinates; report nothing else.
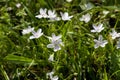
(59, 40)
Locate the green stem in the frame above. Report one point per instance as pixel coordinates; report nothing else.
(116, 24)
(115, 73)
(4, 73)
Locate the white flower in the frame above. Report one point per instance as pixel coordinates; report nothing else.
(89, 6)
(65, 16)
(43, 13)
(50, 74)
(56, 42)
(27, 30)
(86, 18)
(114, 34)
(97, 28)
(51, 14)
(105, 12)
(18, 5)
(118, 44)
(55, 78)
(86, 6)
(36, 34)
(51, 58)
(68, 0)
(100, 42)
(9, 8)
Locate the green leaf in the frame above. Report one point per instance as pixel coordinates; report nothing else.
(19, 59)
(4, 73)
(105, 75)
(29, 13)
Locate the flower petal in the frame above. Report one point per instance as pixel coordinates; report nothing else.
(93, 30)
(38, 16)
(50, 46)
(32, 37)
(51, 58)
(57, 47)
(96, 46)
(55, 78)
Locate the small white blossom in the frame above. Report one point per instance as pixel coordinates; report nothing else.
(118, 44)
(36, 34)
(50, 74)
(114, 34)
(86, 6)
(65, 16)
(89, 6)
(100, 42)
(56, 42)
(18, 5)
(105, 12)
(9, 8)
(27, 30)
(51, 14)
(55, 78)
(43, 13)
(97, 28)
(68, 0)
(86, 18)
(51, 58)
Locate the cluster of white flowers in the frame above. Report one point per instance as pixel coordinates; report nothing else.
(115, 35)
(52, 15)
(31, 30)
(56, 41)
(97, 28)
(101, 42)
(50, 75)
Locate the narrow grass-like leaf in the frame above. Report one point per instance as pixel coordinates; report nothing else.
(29, 13)
(105, 75)
(4, 73)
(19, 59)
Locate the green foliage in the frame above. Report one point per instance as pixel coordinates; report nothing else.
(25, 59)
